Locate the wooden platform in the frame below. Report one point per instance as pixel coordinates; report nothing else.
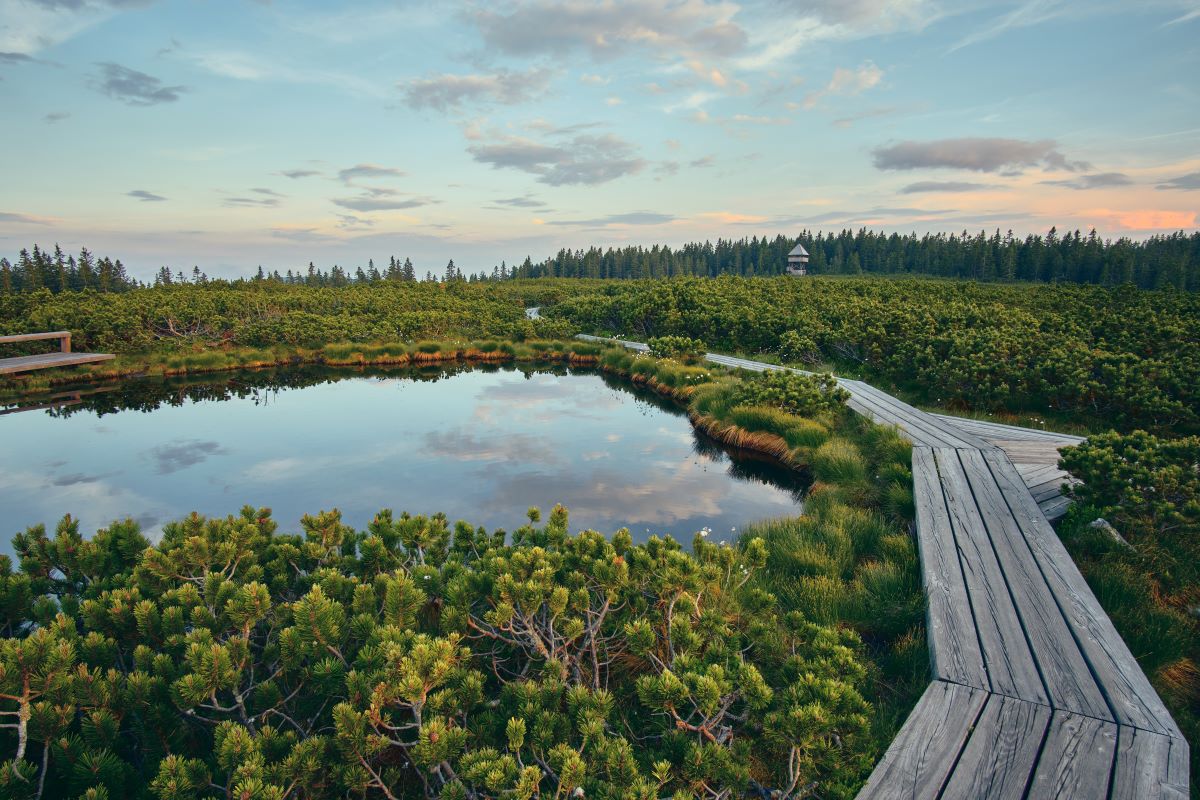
(63, 358)
(1033, 694)
(1033, 452)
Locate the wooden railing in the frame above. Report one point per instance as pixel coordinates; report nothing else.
(63, 336)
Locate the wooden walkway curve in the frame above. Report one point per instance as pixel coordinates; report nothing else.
(1034, 693)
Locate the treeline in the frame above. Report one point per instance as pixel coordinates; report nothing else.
(40, 268)
(1158, 262)
(55, 270)
(395, 272)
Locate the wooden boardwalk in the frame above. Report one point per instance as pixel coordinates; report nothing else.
(1033, 694)
(63, 358)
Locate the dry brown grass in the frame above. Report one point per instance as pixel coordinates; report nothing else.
(1182, 679)
(766, 443)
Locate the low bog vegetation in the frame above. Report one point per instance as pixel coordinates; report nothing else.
(1148, 489)
(419, 658)
(416, 658)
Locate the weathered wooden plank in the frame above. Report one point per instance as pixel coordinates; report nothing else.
(868, 407)
(953, 644)
(1150, 767)
(1006, 652)
(1055, 507)
(1036, 473)
(1046, 489)
(1129, 693)
(739, 363)
(35, 337)
(915, 426)
(49, 360)
(989, 429)
(923, 754)
(1062, 667)
(916, 418)
(1025, 452)
(1076, 759)
(999, 757)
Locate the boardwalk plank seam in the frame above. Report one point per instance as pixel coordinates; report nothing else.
(1046, 628)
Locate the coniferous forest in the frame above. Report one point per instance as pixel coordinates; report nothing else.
(1163, 261)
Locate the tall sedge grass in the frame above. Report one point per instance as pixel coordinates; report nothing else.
(796, 431)
(714, 399)
(839, 461)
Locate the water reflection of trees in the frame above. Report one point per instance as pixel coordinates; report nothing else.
(747, 465)
(262, 385)
(259, 385)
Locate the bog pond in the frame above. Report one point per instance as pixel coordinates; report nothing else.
(480, 445)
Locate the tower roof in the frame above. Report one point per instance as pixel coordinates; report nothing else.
(798, 250)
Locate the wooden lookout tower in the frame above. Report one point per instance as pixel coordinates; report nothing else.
(797, 263)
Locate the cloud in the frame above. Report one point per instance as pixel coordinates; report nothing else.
(445, 92)
(349, 175)
(145, 196)
(687, 28)
(976, 154)
(847, 82)
(300, 233)
(252, 67)
(134, 88)
(594, 80)
(184, 453)
(702, 162)
(24, 219)
(550, 129)
(1098, 180)
(943, 186)
(806, 22)
(251, 202)
(1187, 183)
(584, 160)
(55, 116)
(268, 192)
(857, 12)
(383, 202)
(28, 27)
(521, 202)
(733, 218)
(877, 215)
(1146, 219)
(460, 445)
(1027, 14)
(75, 5)
(630, 218)
(1187, 16)
(349, 222)
(299, 173)
(16, 58)
(76, 478)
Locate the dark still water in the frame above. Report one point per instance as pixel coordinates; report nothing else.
(480, 445)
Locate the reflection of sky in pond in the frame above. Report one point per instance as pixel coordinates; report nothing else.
(482, 446)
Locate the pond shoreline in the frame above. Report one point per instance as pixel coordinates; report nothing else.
(764, 445)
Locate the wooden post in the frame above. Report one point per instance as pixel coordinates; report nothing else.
(66, 342)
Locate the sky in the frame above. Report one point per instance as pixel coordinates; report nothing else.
(235, 134)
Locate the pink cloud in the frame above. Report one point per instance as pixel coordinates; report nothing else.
(1148, 219)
